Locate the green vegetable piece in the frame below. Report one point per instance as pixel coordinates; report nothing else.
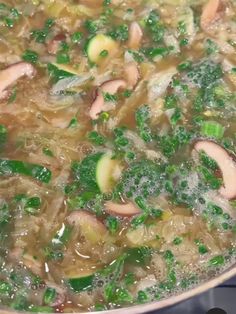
(122, 296)
(30, 56)
(34, 202)
(177, 241)
(41, 309)
(211, 47)
(5, 288)
(76, 37)
(202, 249)
(40, 35)
(142, 297)
(110, 97)
(154, 26)
(100, 307)
(81, 284)
(217, 261)
(86, 172)
(205, 73)
(139, 220)
(168, 256)
(121, 32)
(13, 167)
(91, 26)
(63, 58)
(208, 162)
(104, 53)
(47, 152)
(73, 123)
(19, 303)
(12, 97)
(129, 279)
(112, 224)
(58, 74)
(170, 101)
(49, 296)
(96, 138)
(212, 129)
(3, 136)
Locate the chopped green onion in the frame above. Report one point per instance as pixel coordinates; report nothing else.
(217, 261)
(49, 295)
(212, 129)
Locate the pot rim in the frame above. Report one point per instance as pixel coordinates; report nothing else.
(156, 305)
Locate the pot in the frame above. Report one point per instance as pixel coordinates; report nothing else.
(157, 305)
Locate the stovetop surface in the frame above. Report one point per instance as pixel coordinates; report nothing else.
(220, 300)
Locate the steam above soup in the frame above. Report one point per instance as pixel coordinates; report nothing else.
(117, 142)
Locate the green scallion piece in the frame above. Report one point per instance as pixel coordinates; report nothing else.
(212, 129)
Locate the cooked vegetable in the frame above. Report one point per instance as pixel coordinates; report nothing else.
(212, 129)
(58, 72)
(125, 210)
(81, 284)
(210, 13)
(135, 36)
(14, 167)
(99, 43)
(117, 159)
(96, 172)
(226, 164)
(107, 88)
(11, 74)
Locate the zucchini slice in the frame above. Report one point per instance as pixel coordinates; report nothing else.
(100, 43)
(105, 173)
(96, 172)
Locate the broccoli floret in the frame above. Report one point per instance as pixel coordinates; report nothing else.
(204, 73)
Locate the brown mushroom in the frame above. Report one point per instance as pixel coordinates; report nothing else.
(210, 13)
(12, 73)
(225, 162)
(135, 36)
(123, 210)
(110, 87)
(131, 74)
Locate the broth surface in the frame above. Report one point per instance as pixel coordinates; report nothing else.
(117, 143)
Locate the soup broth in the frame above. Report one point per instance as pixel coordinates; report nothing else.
(117, 143)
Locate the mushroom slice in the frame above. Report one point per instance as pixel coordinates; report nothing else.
(123, 210)
(210, 13)
(131, 74)
(226, 164)
(92, 229)
(12, 74)
(110, 87)
(135, 36)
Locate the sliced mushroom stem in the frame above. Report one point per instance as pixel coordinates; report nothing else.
(135, 36)
(210, 13)
(123, 210)
(12, 73)
(131, 74)
(110, 87)
(225, 162)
